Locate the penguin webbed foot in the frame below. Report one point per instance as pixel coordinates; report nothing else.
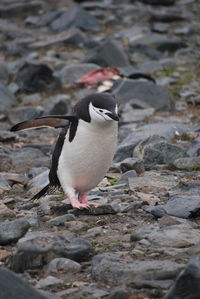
(78, 205)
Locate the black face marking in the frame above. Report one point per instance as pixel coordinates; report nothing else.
(98, 100)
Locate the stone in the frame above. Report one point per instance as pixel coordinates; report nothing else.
(110, 269)
(7, 136)
(75, 17)
(132, 164)
(39, 181)
(72, 72)
(63, 265)
(155, 150)
(19, 114)
(11, 231)
(19, 9)
(13, 287)
(145, 91)
(194, 148)
(126, 175)
(38, 248)
(3, 73)
(169, 130)
(36, 78)
(7, 100)
(190, 164)
(72, 36)
(49, 281)
(58, 105)
(183, 206)
(110, 53)
(4, 185)
(5, 212)
(157, 211)
(61, 220)
(43, 20)
(135, 115)
(14, 177)
(187, 284)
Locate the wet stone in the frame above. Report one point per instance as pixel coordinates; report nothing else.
(11, 231)
(38, 248)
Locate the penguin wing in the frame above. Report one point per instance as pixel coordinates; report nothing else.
(54, 121)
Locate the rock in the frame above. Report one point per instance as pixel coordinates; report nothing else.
(22, 113)
(72, 36)
(187, 283)
(155, 150)
(147, 92)
(166, 129)
(157, 211)
(12, 287)
(49, 281)
(37, 248)
(43, 20)
(36, 171)
(119, 293)
(11, 231)
(36, 78)
(4, 185)
(194, 148)
(63, 265)
(5, 212)
(72, 72)
(7, 136)
(135, 115)
(7, 100)
(61, 220)
(125, 176)
(19, 9)
(183, 206)
(58, 105)
(109, 269)
(3, 73)
(132, 164)
(75, 17)
(191, 163)
(110, 53)
(14, 177)
(39, 181)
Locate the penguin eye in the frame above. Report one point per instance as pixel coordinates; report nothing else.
(100, 110)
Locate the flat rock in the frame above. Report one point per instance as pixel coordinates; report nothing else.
(145, 91)
(49, 281)
(63, 265)
(36, 249)
(7, 136)
(22, 113)
(110, 53)
(187, 283)
(19, 9)
(11, 231)
(7, 100)
(58, 105)
(72, 72)
(183, 206)
(110, 269)
(36, 77)
(12, 287)
(191, 163)
(75, 17)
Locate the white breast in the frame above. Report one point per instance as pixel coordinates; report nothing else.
(84, 162)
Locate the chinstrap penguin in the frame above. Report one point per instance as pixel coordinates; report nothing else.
(85, 146)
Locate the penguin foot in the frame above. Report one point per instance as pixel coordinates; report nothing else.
(82, 197)
(78, 205)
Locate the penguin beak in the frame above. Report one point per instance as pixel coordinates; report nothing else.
(113, 115)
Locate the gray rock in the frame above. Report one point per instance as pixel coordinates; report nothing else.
(58, 105)
(40, 180)
(155, 150)
(6, 136)
(157, 211)
(125, 176)
(166, 129)
(61, 220)
(110, 53)
(110, 269)
(145, 91)
(19, 9)
(32, 251)
(183, 206)
(75, 17)
(3, 72)
(132, 164)
(63, 265)
(187, 284)
(194, 148)
(12, 287)
(43, 20)
(49, 281)
(4, 185)
(7, 100)
(72, 36)
(35, 78)
(72, 72)
(191, 163)
(36, 171)
(11, 231)
(22, 113)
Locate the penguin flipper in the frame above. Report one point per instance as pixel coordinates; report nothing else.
(55, 121)
(41, 192)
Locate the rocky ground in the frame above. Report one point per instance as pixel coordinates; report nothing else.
(143, 240)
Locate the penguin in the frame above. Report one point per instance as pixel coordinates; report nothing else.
(84, 149)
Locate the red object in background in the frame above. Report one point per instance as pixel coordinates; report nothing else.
(98, 76)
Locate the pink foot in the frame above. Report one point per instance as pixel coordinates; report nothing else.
(82, 197)
(76, 204)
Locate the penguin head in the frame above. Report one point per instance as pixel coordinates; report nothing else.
(97, 108)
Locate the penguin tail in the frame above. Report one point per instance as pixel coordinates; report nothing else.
(41, 192)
